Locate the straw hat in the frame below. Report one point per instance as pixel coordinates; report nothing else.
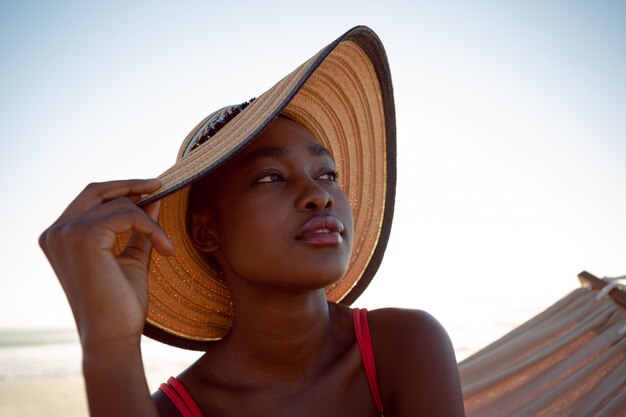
(343, 95)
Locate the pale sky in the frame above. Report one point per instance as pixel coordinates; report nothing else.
(511, 133)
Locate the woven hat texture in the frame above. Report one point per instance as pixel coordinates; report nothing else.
(343, 95)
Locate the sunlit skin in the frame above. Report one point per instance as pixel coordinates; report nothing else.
(276, 215)
(280, 228)
(264, 209)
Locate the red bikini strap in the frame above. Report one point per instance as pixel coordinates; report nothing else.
(367, 352)
(181, 398)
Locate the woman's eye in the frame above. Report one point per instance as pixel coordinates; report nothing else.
(329, 176)
(273, 177)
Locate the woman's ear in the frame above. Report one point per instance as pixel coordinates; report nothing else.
(203, 233)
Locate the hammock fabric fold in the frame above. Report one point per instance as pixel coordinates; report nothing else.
(567, 361)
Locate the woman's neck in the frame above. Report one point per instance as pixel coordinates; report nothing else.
(280, 334)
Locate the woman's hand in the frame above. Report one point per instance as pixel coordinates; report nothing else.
(107, 293)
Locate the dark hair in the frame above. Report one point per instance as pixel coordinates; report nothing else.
(200, 189)
(196, 200)
(227, 115)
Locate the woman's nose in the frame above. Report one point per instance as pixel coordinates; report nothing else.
(314, 196)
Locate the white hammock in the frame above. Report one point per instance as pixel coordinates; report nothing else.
(570, 360)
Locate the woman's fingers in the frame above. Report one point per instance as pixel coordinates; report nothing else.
(140, 244)
(153, 210)
(121, 216)
(99, 201)
(99, 193)
(98, 227)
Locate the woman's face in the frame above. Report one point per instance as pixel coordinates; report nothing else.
(276, 215)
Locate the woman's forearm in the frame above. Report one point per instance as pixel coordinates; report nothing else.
(116, 383)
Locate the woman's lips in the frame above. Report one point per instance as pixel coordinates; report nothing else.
(322, 230)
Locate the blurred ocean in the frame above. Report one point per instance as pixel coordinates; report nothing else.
(52, 355)
(27, 355)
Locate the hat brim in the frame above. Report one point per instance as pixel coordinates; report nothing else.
(344, 96)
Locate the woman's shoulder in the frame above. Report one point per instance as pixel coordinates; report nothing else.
(403, 337)
(415, 362)
(406, 325)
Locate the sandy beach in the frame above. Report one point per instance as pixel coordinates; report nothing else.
(58, 398)
(48, 398)
(44, 379)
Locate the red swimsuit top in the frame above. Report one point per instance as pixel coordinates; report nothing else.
(185, 403)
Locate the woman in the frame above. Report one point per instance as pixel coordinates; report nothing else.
(258, 247)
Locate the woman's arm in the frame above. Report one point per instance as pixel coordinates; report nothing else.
(417, 368)
(108, 293)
